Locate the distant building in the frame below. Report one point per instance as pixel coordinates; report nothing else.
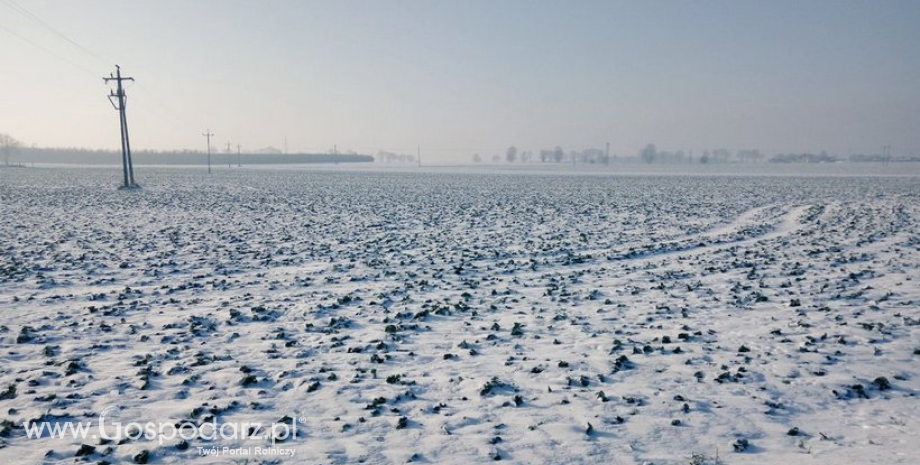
(270, 150)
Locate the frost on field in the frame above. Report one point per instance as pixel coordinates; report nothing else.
(456, 318)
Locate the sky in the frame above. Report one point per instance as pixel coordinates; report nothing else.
(464, 77)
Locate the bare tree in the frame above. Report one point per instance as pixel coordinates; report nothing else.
(558, 154)
(511, 154)
(649, 153)
(8, 145)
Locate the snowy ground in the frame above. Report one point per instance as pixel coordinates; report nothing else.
(463, 318)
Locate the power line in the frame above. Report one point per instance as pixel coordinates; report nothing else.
(28, 14)
(145, 90)
(208, 134)
(46, 50)
(119, 94)
(155, 97)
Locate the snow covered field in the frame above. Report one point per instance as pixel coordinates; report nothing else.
(463, 318)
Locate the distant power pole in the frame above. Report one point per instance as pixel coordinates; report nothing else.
(119, 94)
(229, 160)
(239, 162)
(209, 134)
(607, 155)
(418, 155)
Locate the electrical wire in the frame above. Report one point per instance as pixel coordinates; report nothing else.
(46, 50)
(28, 14)
(147, 91)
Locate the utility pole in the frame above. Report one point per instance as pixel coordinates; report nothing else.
(418, 155)
(229, 160)
(119, 94)
(607, 155)
(239, 157)
(209, 134)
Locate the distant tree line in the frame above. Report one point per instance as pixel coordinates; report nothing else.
(177, 157)
(651, 154)
(8, 146)
(825, 157)
(12, 150)
(554, 155)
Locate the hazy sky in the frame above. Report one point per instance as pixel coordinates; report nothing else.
(461, 77)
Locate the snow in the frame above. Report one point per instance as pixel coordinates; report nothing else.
(500, 314)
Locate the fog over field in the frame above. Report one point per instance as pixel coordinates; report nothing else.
(345, 232)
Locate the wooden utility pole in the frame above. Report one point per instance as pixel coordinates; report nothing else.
(418, 155)
(209, 134)
(229, 160)
(118, 99)
(239, 157)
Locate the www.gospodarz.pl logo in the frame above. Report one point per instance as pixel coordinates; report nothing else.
(111, 427)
